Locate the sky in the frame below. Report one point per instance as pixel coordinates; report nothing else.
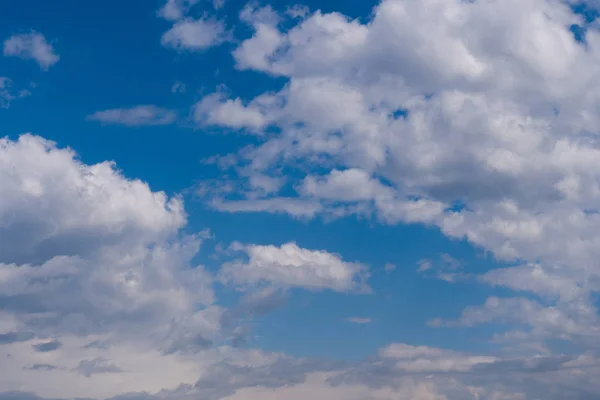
(223, 199)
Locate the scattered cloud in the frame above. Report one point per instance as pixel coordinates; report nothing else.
(195, 34)
(31, 46)
(178, 87)
(359, 321)
(174, 10)
(8, 94)
(144, 115)
(292, 266)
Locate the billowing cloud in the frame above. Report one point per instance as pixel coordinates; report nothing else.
(475, 117)
(92, 261)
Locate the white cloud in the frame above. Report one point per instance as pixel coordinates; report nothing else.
(195, 34)
(426, 359)
(358, 320)
(213, 109)
(88, 256)
(349, 185)
(430, 105)
(293, 266)
(143, 115)
(31, 46)
(8, 94)
(174, 10)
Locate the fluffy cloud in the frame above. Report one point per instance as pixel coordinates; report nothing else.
(31, 46)
(293, 266)
(476, 117)
(143, 115)
(399, 371)
(194, 34)
(94, 273)
(174, 10)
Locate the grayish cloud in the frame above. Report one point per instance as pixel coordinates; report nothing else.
(31, 46)
(143, 115)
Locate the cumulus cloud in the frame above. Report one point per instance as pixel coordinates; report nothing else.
(144, 115)
(292, 266)
(479, 118)
(213, 109)
(195, 34)
(475, 117)
(31, 46)
(89, 256)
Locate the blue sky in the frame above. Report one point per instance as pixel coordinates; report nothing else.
(228, 191)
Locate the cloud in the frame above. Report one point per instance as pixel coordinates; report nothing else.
(292, 206)
(31, 46)
(8, 94)
(89, 256)
(174, 10)
(144, 115)
(178, 87)
(293, 266)
(389, 267)
(212, 110)
(458, 115)
(195, 34)
(425, 359)
(359, 321)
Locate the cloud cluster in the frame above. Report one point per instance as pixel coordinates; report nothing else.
(479, 118)
(188, 33)
(88, 256)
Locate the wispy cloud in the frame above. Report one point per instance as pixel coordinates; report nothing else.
(360, 321)
(143, 115)
(31, 46)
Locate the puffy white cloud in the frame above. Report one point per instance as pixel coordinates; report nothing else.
(143, 115)
(477, 117)
(195, 34)
(215, 110)
(293, 266)
(31, 46)
(94, 272)
(54, 205)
